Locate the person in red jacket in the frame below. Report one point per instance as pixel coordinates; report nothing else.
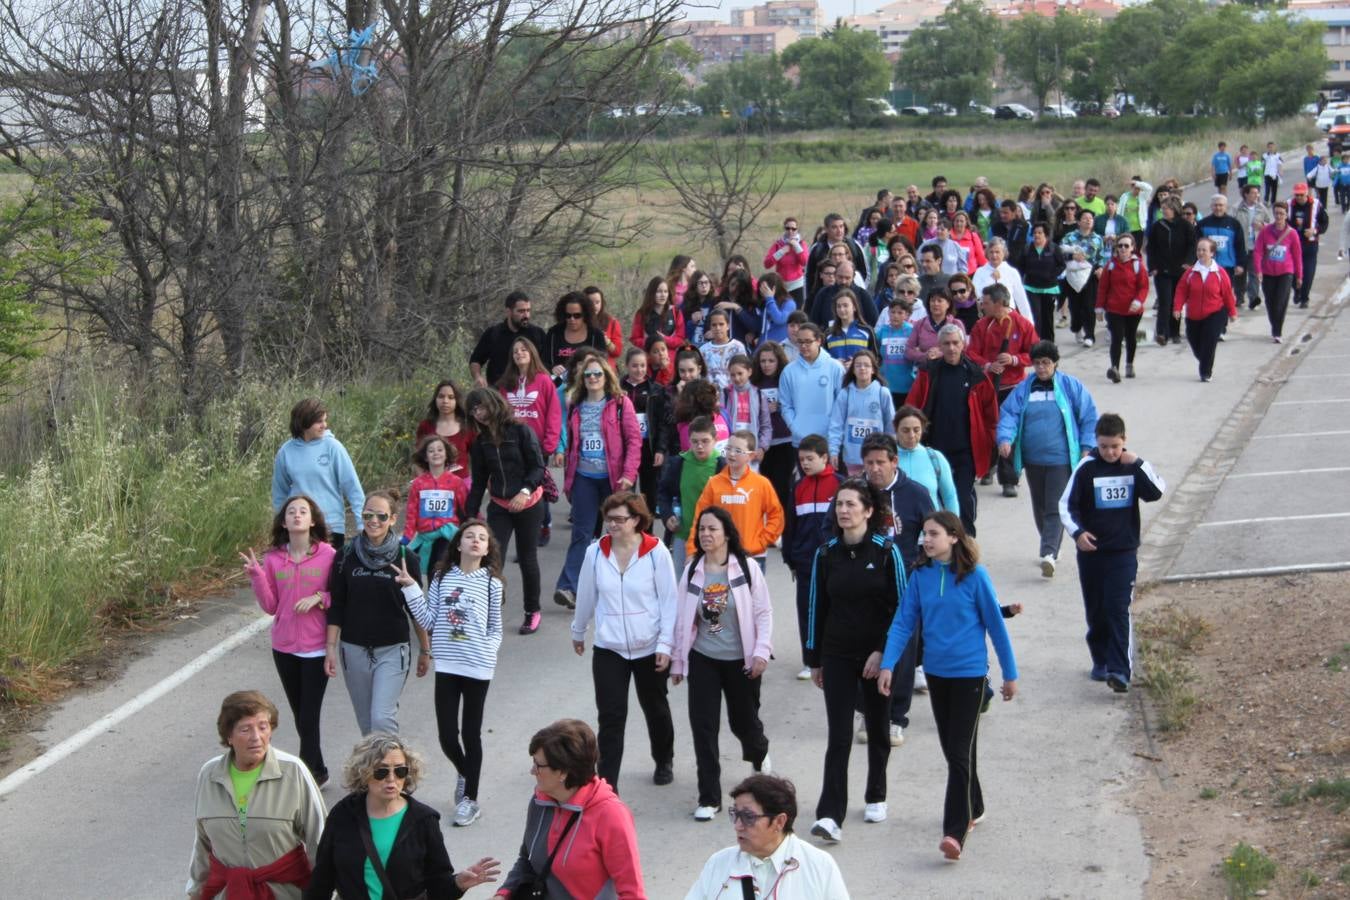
(437, 498)
(787, 257)
(1206, 294)
(658, 315)
(960, 403)
(1001, 344)
(1121, 293)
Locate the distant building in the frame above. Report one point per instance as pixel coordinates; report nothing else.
(895, 22)
(717, 42)
(1016, 9)
(801, 16)
(1336, 39)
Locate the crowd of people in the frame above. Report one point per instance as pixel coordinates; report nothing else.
(838, 411)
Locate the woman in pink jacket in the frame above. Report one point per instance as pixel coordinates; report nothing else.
(1278, 262)
(969, 239)
(1206, 293)
(723, 641)
(787, 257)
(291, 584)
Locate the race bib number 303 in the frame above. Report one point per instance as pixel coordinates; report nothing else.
(1115, 492)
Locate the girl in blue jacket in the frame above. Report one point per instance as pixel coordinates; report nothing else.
(950, 596)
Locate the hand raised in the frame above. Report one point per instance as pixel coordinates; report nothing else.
(250, 561)
(402, 578)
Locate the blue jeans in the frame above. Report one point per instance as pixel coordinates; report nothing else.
(587, 495)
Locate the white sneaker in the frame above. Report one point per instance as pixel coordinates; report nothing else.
(828, 829)
(920, 681)
(875, 812)
(1087, 342)
(765, 766)
(705, 813)
(466, 813)
(1048, 566)
(897, 738)
(859, 728)
(804, 675)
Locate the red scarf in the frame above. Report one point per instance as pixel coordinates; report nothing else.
(243, 883)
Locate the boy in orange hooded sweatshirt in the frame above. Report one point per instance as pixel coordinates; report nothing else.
(747, 495)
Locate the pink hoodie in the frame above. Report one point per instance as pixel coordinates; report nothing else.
(754, 613)
(536, 405)
(278, 583)
(623, 442)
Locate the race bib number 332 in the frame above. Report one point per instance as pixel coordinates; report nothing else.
(1114, 492)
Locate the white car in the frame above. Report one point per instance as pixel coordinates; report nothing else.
(980, 109)
(1327, 118)
(883, 107)
(1057, 111)
(914, 111)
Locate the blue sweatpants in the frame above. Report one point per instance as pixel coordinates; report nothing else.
(1107, 580)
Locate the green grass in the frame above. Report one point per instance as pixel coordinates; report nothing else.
(1168, 637)
(1209, 793)
(1246, 871)
(1337, 791)
(1338, 661)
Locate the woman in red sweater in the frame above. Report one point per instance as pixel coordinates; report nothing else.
(658, 315)
(1206, 293)
(608, 325)
(1121, 292)
(967, 238)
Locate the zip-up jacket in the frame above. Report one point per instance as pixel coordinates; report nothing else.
(761, 421)
(820, 251)
(855, 590)
(634, 610)
(857, 413)
(930, 468)
(981, 407)
(1252, 219)
(369, 606)
(754, 612)
(434, 501)
(1041, 269)
(790, 264)
(1016, 235)
(655, 415)
(1171, 242)
(1099, 225)
(503, 469)
(986, 343)
(623, 442)
(1010, 278)
(463, 614)
(278, 583)
(674, 488)
(954, 616)
(1308, 215)
(1103, 498)
(1278, 252)
(753, 505)
(1077, 411)
(910, 505)
(1203, 295)
(924, 337)
(1229, 237)
(322, 470)
(418, 863)
(844, 344)
(536, 404)
(670, 326)
(806, 392)
(1121, 285)
(808, 518)
(970, 242)
(1091, 244)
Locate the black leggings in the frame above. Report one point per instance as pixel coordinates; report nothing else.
(842, 678)
(1168, 326)
(1122, 328)
(526, 526)
(956, 710)
(462, 744)
(304, 681)
(1043, 313)
(778, 464)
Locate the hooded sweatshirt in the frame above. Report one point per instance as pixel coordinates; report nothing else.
(752, 504)
(634, 610)
(279, 582)
(806, 393)
(322, 470)
(954, 617)
(434, 501)
(536, 405)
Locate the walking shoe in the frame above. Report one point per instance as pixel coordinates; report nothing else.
(1118, 684)
(1047, 566)
(988, 696)
(664, 774)
(706, 813)
(545, 534)
(1087, 342)
(980, 818)
(531, 623)
(565, 598)
(1222, 339)
(1098, 673)
(765, 766)
(1062, 321)
(920, 681)
(897, 737)
(1113, 375)
(875, 812)
(321, 779)
(1078, 337)
(828, 829)
(1205, 379)
(1254, 304)
(1161, 339)
(459, 790)
(1275, 339)
(859, 728)
(1340, 254)
(988, 478)
(466, 813)
(804, 674)
(1129, 370)
(951, 848)
(1010, 490)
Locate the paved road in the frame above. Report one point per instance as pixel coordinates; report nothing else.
(113, 819)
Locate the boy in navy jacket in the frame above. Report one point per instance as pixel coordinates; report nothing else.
(808, 521)
(1100, 508)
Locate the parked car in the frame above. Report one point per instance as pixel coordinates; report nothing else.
(979, 109)
(1327, 118)
(883, 107)
(940, 109)
(914, 111)
(1013, 111)
(1057, 111)
(1338, 138)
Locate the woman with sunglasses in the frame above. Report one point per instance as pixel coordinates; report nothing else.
(923, 341)
(604, 453)
(380, 837)
(787, 257)
(573, 330)
(371, 587)
(965, 299)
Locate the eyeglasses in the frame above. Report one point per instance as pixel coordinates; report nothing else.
(909, 291)
(617, 520)
(736, 451)
(807, 342)
(536, 765)
(907, 265)
(574, 315)
(368, 516)
(747, 817)
(382, 772)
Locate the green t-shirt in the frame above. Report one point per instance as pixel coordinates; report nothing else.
(693, 476)
(1256, 170)
(1097, 205)
(243, 783)
(382, 832)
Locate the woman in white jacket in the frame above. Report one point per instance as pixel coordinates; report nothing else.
(627, 585)
(999, 271)
(723, 641)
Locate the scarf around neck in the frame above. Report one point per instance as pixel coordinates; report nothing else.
(375, 557)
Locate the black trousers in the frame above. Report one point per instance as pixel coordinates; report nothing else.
(648, 477)
(1203, 336)
(956, 711)
(1107, 580)
(1043, 313)
(1309, 270)
(803, 580)
(1168, 326)
(963, 477)
(778, 464)
(902, 683)
(1272, 189)
(462, 744)
(842, 678)
(1122, 329)
(1082, 317)
(709, 681)
(611, 673)
(526, 525)
(304, 681)
(1343, 197)
(1004, 468)
(1322, 196)
(1276, 289)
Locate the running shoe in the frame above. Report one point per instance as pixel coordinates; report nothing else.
(1087, 342)
(664, 774)
(466, 813)
(459, 790)
(1113, 375)
(897, 737)
(804, 675)
(706, 813)
(1047, 566)
(1129, 370)
(920, 681)
(1098, 673)
(565, 598)
(1118, 684)
(545, 535)
(1010, 490)
(951, 848)
(828, 829)
(765, 766)
(531, 623)
(875, 812)
(859, 728)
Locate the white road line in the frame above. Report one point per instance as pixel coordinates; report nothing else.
(1291, 472)
(131, 707)
(1339, 515)
(1335, 375)
(1309, 402)
(1264, 570)
(1296, 434)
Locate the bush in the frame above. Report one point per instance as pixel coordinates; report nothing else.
(1247, 870)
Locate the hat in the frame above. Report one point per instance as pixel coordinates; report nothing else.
(1301, 188)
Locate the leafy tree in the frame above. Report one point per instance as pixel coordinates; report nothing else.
(1090, 79)
(952, 58)
(1133, 42)
(1037, 49)
(756, 81)
(838, 73)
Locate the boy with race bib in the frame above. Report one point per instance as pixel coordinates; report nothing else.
(1100, 508)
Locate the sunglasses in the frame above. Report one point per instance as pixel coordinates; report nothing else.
(909, 291)
(368, 516)
(574, 315)
(382, 772)
(959, 292)
(617, 520)
(593, 374)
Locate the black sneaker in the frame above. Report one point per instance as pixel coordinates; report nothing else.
(1118, 684)
(664, 774)
(1113, 375)
(1010, 490)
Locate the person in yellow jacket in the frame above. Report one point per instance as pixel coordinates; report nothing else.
(747, 496)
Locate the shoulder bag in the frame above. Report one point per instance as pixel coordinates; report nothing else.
(537, 887)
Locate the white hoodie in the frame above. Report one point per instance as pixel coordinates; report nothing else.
(634, 611)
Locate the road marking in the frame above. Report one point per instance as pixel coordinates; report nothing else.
(1264, 570)
(1309, 402)
(1339, 515)
(131, 707)
(1297, 434)
(1291, 472)
(1336, 375)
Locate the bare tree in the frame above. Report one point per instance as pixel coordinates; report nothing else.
(723, 184)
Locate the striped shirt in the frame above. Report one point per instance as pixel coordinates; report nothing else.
(463, 614)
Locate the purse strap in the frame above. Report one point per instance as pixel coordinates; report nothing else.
(374, 858)
(548, 864)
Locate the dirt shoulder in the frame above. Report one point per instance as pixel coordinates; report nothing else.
(1265, 755)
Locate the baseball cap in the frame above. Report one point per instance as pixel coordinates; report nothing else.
(1301, 188)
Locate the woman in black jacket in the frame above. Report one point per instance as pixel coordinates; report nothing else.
(508, 465)
(380, 815)
(1171, 242)
(1040, 267)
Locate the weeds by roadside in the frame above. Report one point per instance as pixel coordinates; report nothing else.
(1246, 871)
(1167, 637)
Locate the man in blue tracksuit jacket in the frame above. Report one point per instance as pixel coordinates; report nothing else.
(1230, 239)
